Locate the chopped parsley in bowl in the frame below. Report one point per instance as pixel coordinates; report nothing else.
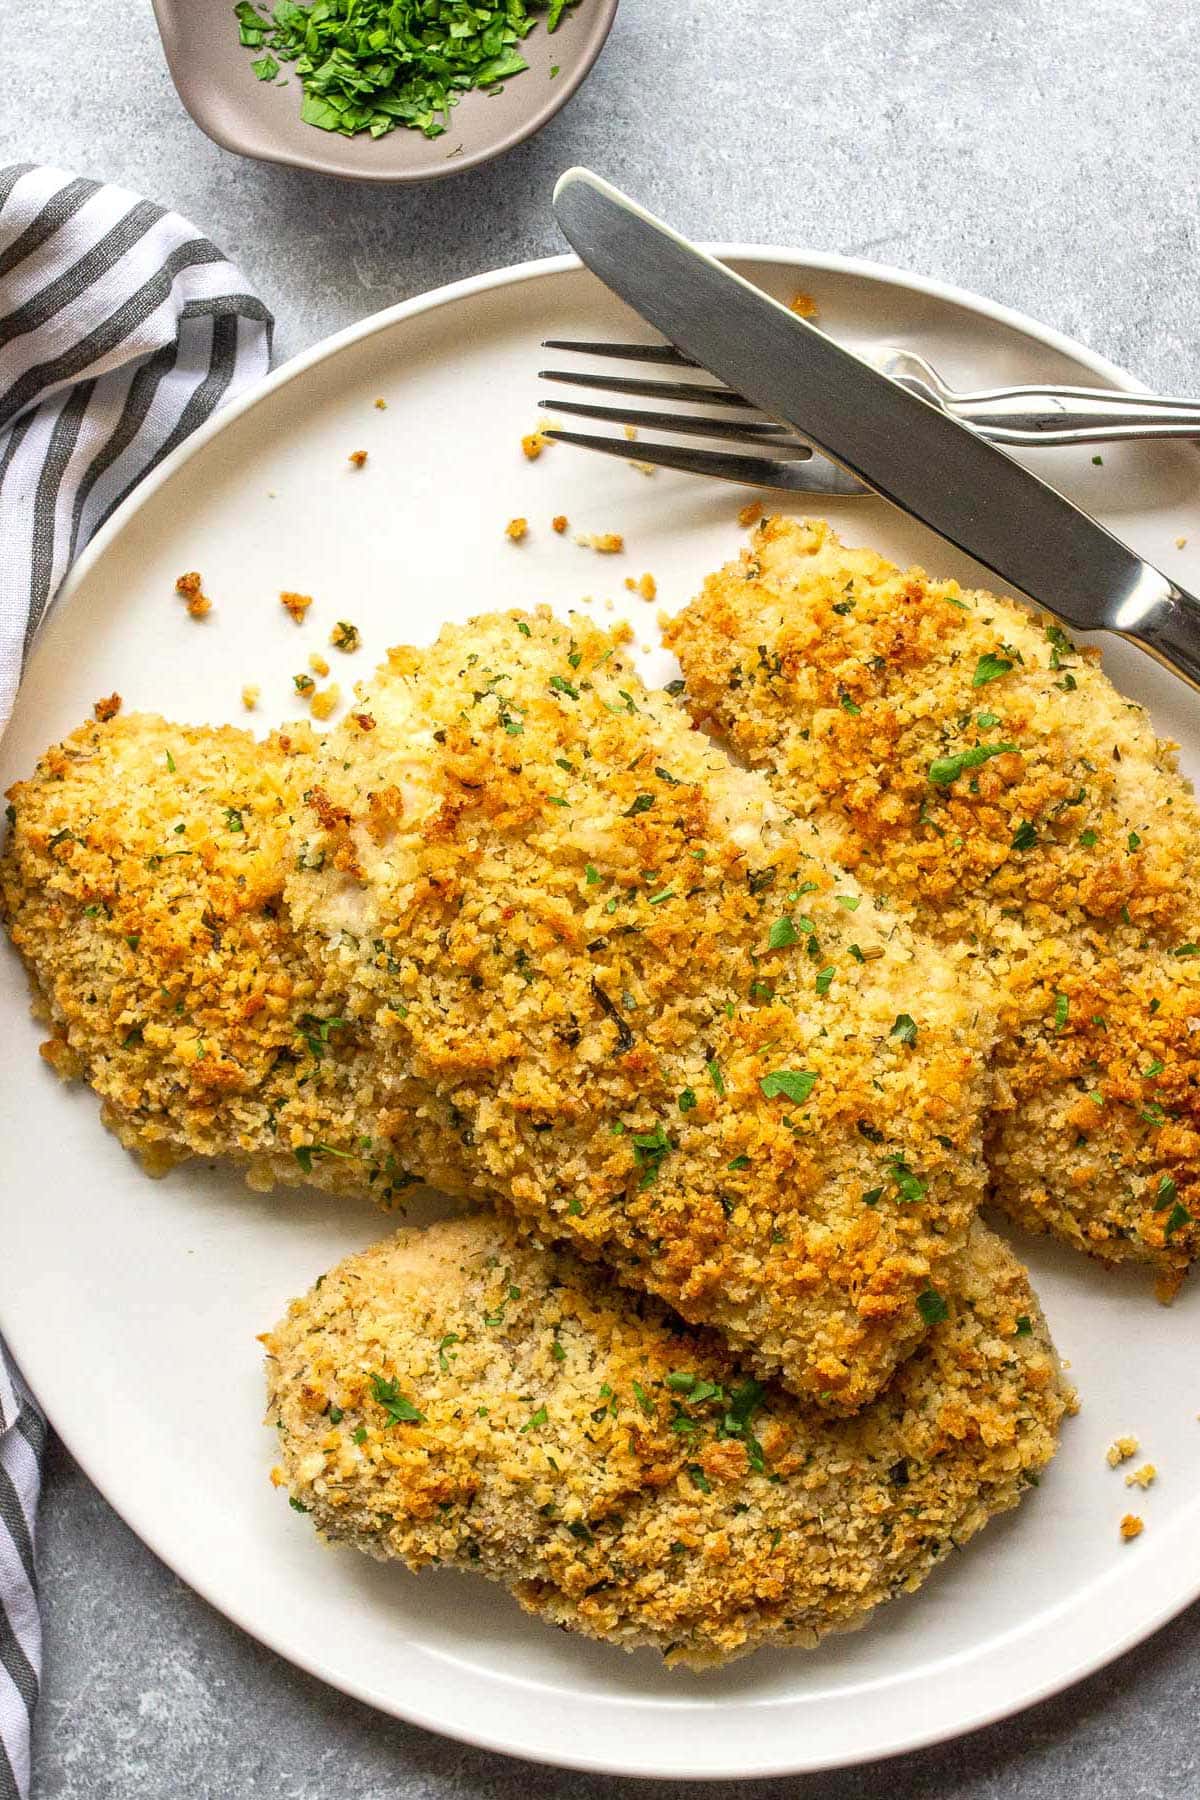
(371, 65)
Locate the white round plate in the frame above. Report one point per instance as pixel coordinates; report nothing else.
(133, 1305)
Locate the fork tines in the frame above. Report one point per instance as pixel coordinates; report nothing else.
(792, 464)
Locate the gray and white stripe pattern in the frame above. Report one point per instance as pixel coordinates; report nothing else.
(122, 328)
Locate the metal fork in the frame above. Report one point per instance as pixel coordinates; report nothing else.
(1031, 415)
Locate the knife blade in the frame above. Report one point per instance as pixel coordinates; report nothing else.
(910, 452)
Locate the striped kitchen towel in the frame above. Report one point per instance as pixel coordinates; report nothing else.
(122, 328)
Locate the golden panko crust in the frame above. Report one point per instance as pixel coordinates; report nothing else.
(603, 975)
(979, 770)
(142, 883)
(467, 1397)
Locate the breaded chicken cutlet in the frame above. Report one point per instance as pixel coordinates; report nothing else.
(619, 987)
(142, 883)
(980, 771)
(463, 1396)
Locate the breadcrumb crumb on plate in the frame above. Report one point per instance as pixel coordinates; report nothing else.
(296, 605)
(1120, 1450)
(1131, 1527)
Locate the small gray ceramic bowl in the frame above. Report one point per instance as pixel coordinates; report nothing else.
(212, 72)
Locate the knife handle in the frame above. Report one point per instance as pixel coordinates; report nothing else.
(1164, 620)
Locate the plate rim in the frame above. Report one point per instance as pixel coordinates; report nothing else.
(1163, 1596)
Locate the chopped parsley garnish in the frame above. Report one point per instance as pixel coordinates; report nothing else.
(1062, 1008)
(739, 1162)
(540, 1417)
(946, 769)
(400, 1409)
(444, 1361)
(847, 704)
(641, 804)
(1166, 1194)
(986, 720)
(297, 1505)
(1187, 950)
(523, 628)
(782, 934)
(932, 1307)
(1088, 839)
(591, 875)
(562, 686)
(649, 1150)
(687, 1100)
(1025, 836)
(990, 668)
(910, 1187)
(1024, 1325)
(371, 65)
(825, 978)
(905, 1029)
(1134, 842)
(643, 1399)
(1179, 1215)
(715, 1076)
(794, 1084)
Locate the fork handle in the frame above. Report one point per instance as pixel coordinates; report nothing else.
(1046, 415)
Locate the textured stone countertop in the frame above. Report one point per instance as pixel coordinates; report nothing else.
(1044, 154)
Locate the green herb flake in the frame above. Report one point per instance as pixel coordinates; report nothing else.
(642, 803)
(562, 686)
(540, 1417)
(932, 1307)
(1062, 1009)
(793, 1084)
(1025, 836)
(687, 1100)
(905, 1028)
(400, 1409)
(1024, 1325)
(825, 978)
(947, 769)
(1179, 1215)
(782, 934)
(715, 1076)
(990, 668)
(1088, 839)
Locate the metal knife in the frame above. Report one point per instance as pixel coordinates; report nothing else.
(907, 450)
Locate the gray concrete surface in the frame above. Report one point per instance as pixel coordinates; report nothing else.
(1043, 152)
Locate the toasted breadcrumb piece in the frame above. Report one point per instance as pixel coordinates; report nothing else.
(364, 720)
(198, 602)
(803, 305)
(516, 529)
(1180, 543)
(1131, 1527)
(1141, 1478)
(534, 442)
(631, 433)
(1120, 1450)
(250, 697)
(323, 703)
(317, 664)
(296, 604)
(304, 684)
(559, 523)
(690, 1510)
(608, 543)
(751, 513)
(345, 637)
(381, 405)
(108, 708)
(359, 458)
